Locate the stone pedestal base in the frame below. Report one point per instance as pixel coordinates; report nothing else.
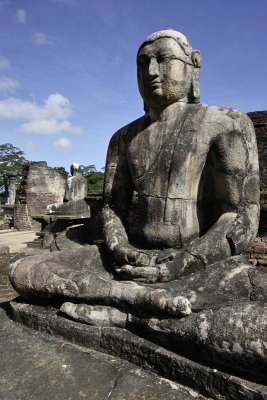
(132, 347)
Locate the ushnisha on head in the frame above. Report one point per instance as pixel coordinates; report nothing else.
(75, 168)
(168, 69)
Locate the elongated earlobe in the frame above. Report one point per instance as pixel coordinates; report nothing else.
(196, 58)
(146, 108)
(194, 93)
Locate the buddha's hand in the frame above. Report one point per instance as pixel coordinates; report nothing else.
(126, 254)
(160, 271)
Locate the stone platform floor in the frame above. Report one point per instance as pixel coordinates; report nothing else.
(16, 240)
(36, 366)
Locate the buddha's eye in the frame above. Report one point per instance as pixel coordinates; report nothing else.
(166, 58)
(161, 59)
(142, 61)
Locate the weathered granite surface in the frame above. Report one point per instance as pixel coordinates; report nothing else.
(132, 347)
(76, 188)
(59, 216)
(72, 207)
(259, 119)
(40, 186)
(177, 277)
(37, 366)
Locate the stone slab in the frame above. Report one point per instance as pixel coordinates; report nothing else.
(131, 347)
(72, 207)
(36, 366)
(53, 218)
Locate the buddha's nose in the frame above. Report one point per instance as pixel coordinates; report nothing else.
(153, 68)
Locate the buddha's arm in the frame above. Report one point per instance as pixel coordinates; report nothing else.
(235, 162)
(118, 191)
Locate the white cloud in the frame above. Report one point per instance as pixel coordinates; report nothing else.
(55, 106)
(4, 63)
(63, 144)
(31, 146)
(21, 16)
(49, 127)
(47, 119)
(8, 85)
(41, 39)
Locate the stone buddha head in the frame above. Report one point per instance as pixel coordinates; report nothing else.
(168, 69)
(75, 169)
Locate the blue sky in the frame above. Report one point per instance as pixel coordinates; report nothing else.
(68, 69)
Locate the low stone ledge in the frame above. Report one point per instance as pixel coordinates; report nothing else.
(128, 346)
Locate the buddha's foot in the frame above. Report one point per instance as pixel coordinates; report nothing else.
(147, 301)
(95, 315)
(156, 301)
(161, 302)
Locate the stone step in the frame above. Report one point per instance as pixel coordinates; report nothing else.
(37, 243)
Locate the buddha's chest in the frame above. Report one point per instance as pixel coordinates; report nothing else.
(166, 161)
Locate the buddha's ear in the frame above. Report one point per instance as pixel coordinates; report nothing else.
(146, 108)
(196, 58)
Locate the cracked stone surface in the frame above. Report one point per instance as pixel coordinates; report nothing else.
(35, 366)
(133, 347)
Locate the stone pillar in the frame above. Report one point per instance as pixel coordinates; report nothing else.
(11, 188)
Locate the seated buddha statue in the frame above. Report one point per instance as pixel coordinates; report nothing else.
(76, 187)
(194, 171)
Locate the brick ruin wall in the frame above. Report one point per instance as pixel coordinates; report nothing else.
(257, 252)
(22, 220)
(40, 186)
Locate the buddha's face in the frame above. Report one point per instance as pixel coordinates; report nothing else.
(163, 78)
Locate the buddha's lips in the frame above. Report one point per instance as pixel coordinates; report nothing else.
(154, 82)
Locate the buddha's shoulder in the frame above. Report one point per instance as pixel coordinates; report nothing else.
(128, 130)
(227, 119)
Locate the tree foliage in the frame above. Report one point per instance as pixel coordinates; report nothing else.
(11, 159)
(86, 169)
(63, 171)
(95, 179)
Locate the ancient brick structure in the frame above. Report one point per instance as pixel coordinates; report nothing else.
(257, 252)
(259, 119)
(40, 186)
(22, 220)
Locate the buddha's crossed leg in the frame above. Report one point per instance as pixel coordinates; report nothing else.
(70, 276)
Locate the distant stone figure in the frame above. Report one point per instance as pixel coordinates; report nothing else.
(76, 188)
(12, 188)
(195, 170)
